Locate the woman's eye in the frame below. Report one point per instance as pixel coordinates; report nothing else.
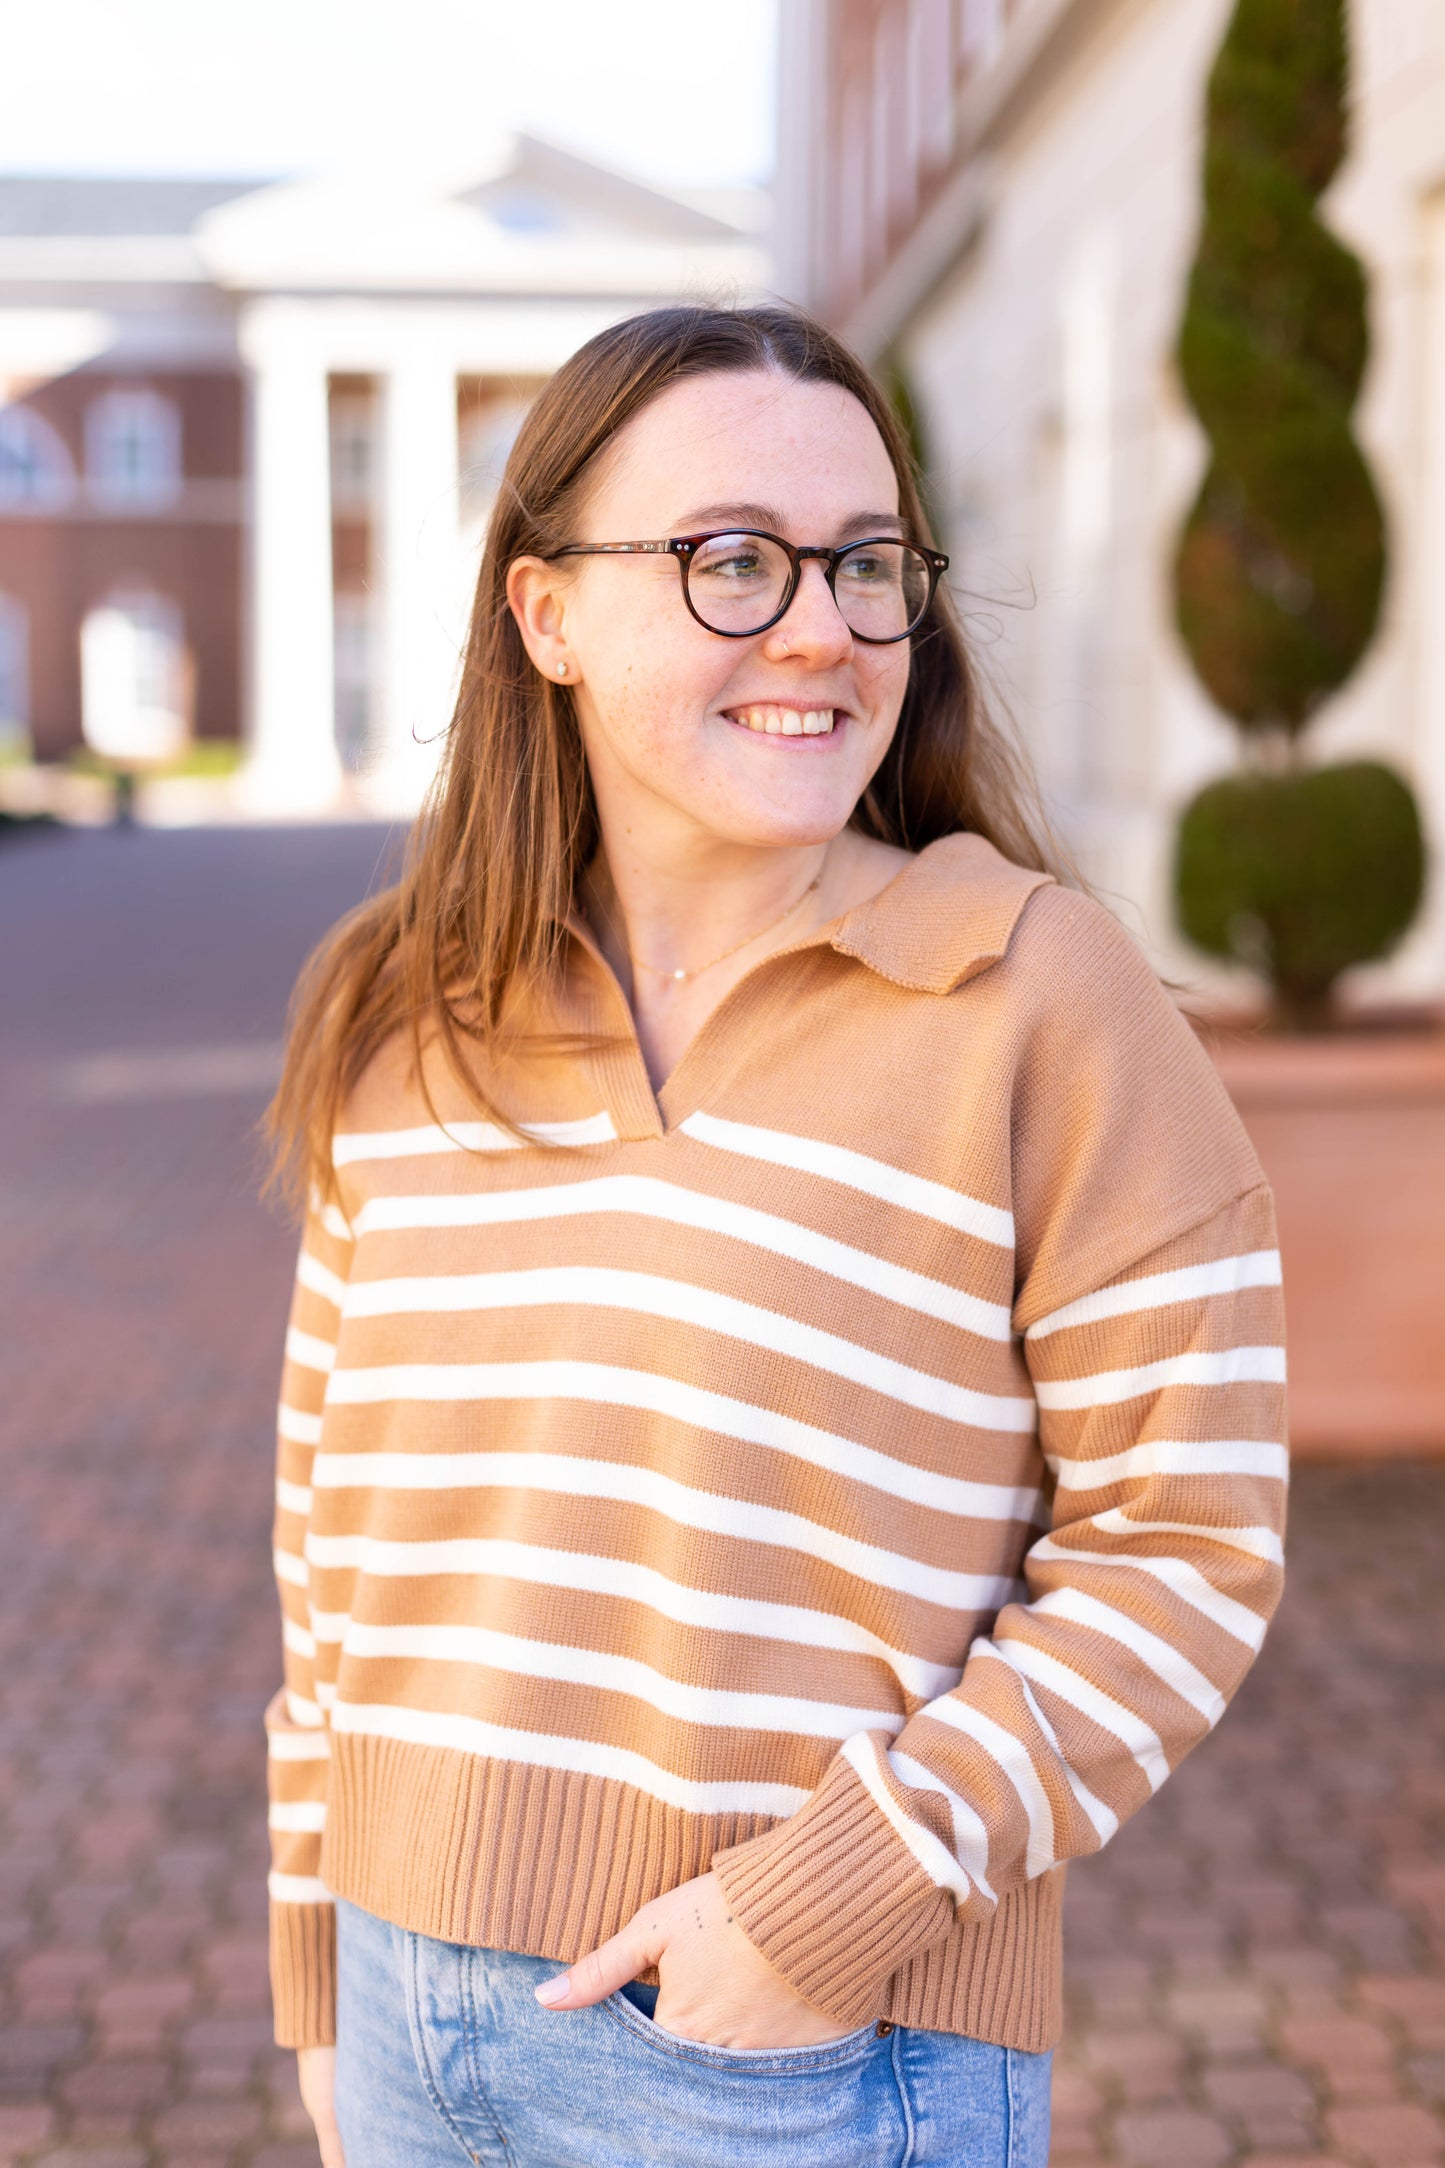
(737, 565)
(867, 571)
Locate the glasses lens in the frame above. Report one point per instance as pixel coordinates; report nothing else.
(736, 582)
(882, 589)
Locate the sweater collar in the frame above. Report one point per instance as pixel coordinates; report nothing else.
(945, 918)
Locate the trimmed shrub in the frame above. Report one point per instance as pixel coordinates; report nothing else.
(1282, 557)
(1301, 875)
(1281, 560)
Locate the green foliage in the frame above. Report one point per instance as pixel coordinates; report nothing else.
(1281, 561)
(1301, 875)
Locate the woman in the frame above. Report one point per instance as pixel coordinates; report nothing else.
(780, 1444)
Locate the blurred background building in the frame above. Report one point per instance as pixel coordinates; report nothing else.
(998, 200)
(249, 436)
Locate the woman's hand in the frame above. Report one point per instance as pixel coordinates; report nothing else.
(316, 2068)
(716, 1987)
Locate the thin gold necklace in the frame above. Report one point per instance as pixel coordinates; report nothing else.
(662, 971)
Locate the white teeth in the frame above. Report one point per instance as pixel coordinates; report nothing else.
(787, 722)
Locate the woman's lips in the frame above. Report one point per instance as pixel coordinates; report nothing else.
(775, 722)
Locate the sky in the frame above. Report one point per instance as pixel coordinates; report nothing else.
(679, 95)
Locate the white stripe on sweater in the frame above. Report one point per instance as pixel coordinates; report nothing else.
(598, 1287)
(1173, 1456)
(970, 1836)
(297, 1817)
(1157, 1655)
(320, 1279)
(1006, 1749)
(646, 1196)
(876, 1177)
(287, 1566)
(1231, 1366)
(311, 1746)
(301, 1429)
(579, 1757)
(349, 1146)
(603, 1384)
(1103, 1820)
(1187, 1582)
(297, 1889)
(687, 1509)
(293, 1497)
(937, 1862)
(1225, 1276)
(687, 1702)
(1043, 1669)
(1259, 1542)
(304, 1349)
(498, 1558)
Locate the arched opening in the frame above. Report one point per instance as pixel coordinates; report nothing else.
(133, 449)
(36, 474)
(135, 679)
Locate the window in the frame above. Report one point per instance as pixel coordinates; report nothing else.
(134, 679)
(35, 470)
(353, 453)
(488, 430)
(133, 450)
(355, 693)
(14, 674)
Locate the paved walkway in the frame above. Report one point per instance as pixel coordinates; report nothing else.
(1257, 1966)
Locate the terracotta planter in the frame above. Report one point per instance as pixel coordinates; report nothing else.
(1351, 1131)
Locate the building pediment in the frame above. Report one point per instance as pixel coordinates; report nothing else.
(523, 217)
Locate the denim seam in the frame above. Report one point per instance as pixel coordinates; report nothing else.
(419, 2046)
(900, 2079)
(470, 2033)
(1010, 2107)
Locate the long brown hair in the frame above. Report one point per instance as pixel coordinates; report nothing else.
(510, 823)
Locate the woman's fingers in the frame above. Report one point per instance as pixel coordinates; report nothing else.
(602, 1971)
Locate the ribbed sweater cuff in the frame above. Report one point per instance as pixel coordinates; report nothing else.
(832, 1899)
(303, 1975)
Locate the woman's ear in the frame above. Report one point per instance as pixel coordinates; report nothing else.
(535, 599)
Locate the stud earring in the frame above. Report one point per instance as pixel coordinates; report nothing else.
(561, 669)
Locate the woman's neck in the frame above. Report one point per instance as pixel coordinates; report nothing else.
(680, 936)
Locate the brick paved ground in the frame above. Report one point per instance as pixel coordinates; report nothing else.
(1257, 1966)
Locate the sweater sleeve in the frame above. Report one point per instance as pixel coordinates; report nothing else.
(303, 1962)
(1160, 1389)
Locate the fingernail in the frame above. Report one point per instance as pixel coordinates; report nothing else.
(552, 1991)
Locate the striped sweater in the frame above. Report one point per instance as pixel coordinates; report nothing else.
(856, 1468)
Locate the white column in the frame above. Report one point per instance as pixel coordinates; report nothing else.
(424, 607)
(294, 766)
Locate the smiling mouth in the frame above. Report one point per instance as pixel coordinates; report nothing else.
(774, 722)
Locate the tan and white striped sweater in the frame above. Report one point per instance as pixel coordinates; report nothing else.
(858, 1467)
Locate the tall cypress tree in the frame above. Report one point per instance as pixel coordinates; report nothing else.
(1281, 561)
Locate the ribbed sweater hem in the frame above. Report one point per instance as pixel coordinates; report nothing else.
(509, 1856)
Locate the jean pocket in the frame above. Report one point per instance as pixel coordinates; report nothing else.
(762, 2062)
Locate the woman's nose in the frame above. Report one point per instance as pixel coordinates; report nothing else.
(813, 624)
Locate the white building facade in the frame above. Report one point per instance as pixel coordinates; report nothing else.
(1005, 195)
(389, 332)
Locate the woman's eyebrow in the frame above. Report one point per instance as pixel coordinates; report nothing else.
(769, 517)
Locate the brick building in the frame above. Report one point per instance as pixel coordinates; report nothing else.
(249, 434)
(1003, 195)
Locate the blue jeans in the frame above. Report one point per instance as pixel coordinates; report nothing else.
(444, 2055)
